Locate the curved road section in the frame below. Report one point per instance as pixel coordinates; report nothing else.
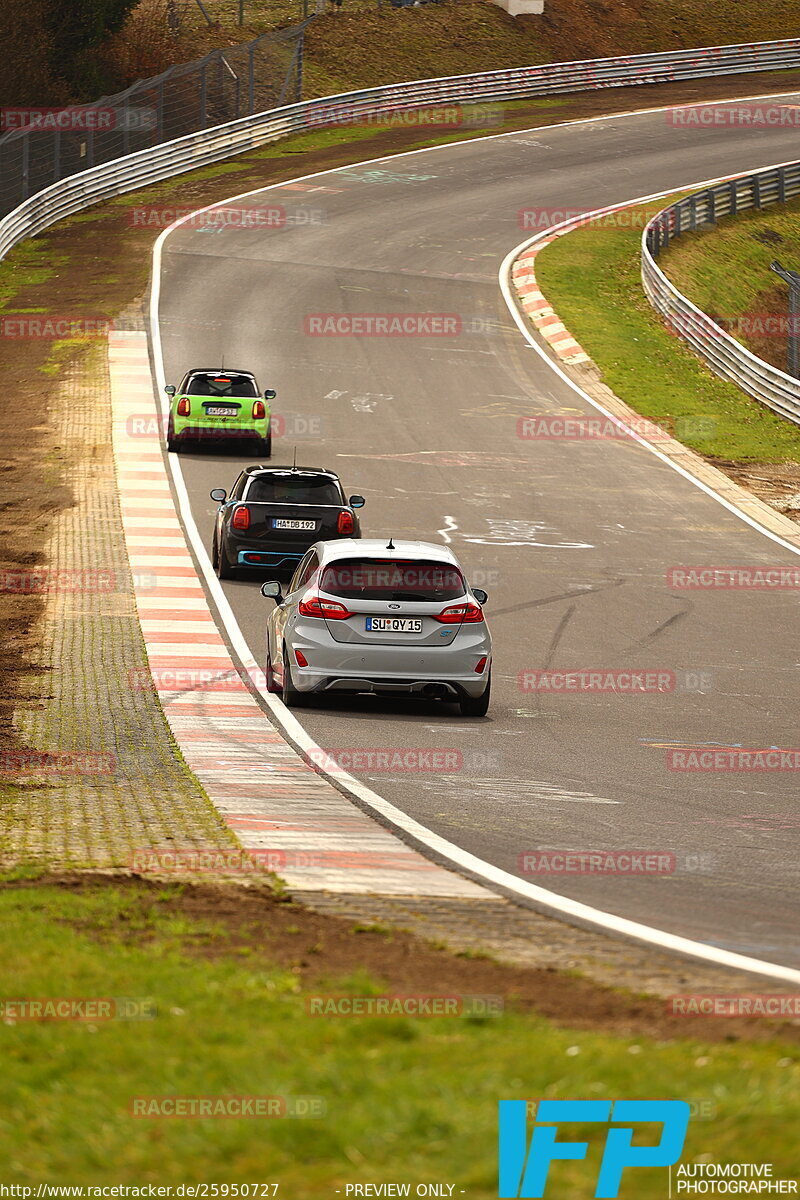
(573, 539)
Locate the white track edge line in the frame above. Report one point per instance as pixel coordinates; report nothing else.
(395, 817)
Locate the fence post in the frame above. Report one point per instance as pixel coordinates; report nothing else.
(299, 80)
(251, 79)
(160, 112)
(126, 126)
(203, 95)
(56, 156)
(26, 158)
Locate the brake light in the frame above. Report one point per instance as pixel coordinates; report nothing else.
(184, 407)
(259, 412)
(241, 517)
(481, 666)
(458, 614)
(313, 605)
(302, 661)
(345, 524)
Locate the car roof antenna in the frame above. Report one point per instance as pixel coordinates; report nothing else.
(390, 543)
(294, 460)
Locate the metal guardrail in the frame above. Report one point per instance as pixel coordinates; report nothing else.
(168, 158)
(725, 355)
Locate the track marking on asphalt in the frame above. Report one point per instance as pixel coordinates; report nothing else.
(413, 830)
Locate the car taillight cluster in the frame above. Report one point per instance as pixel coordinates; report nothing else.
(345, 524)
(313, 605)
(259, 412)
(184, 407)
(460, 614)
(241, 517)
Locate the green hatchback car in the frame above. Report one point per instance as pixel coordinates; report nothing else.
(214, 405)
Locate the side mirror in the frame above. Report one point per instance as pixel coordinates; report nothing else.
(480, 595)
(170, 389)
(272, 591)
(270, 394)
(356, 502)
(218, 494)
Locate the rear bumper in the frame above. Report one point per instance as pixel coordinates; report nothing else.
(221, 433)
(357, 667)
(261, 554)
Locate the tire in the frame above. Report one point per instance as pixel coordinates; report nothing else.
(264, 446)
(173, 446)
(270, 681)
(289, 693)
(221, 563)
(477, 706)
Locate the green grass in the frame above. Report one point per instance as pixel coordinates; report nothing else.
(406, 1099)
(592, 279)
(725, 269)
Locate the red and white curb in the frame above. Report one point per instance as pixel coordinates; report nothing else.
(538, 307)
(277, 805)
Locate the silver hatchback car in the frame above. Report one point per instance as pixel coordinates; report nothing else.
(369, 616)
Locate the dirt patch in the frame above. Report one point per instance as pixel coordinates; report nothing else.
(322, 950)
(777, 484)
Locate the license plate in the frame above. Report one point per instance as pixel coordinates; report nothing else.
(287, 523)
(394, 625)
(220, 410)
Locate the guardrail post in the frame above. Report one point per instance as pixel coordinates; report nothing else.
(734, 197)
(781, 185)
(693, 213)
(712, 207)
(756, 192)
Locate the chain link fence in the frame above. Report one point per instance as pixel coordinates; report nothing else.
(46, 145)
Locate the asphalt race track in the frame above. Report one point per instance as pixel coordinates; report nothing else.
(571, 539)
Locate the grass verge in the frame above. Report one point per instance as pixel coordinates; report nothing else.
(405, 1099)
(725, 271)
(592, 279)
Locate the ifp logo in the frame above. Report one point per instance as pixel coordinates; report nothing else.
(524, 1170)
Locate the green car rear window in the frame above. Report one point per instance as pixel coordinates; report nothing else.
(222, 386)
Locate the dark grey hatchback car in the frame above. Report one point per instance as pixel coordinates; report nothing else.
(274, 514)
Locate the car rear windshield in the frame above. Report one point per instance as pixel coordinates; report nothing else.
(222, 386)
(294, 489)
(392, 579)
